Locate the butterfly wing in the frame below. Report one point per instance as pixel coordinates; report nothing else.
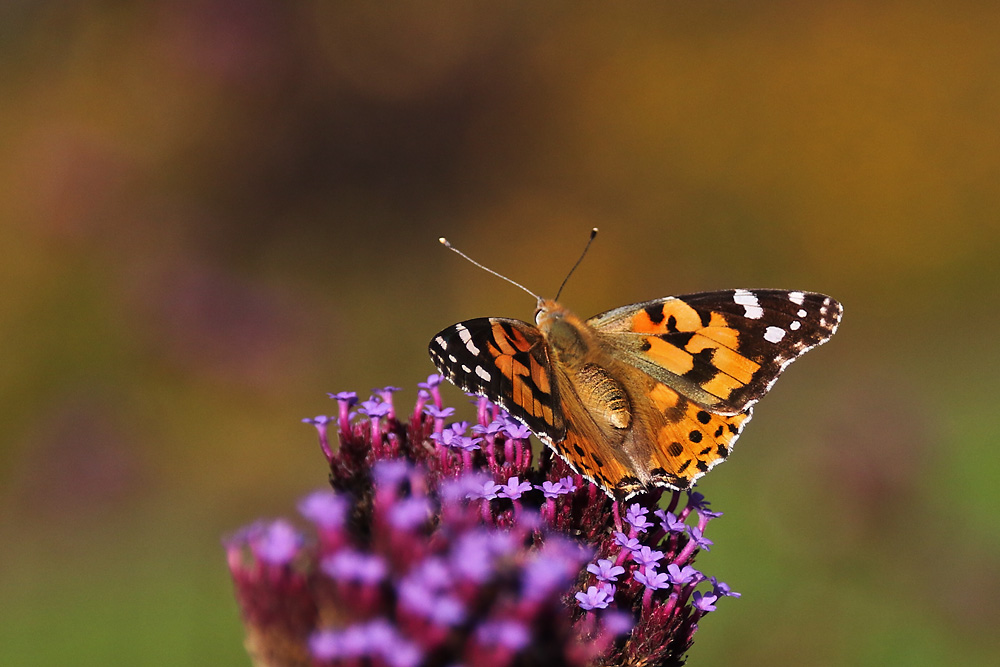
(705, 359)
(720, 350)
(507, 361)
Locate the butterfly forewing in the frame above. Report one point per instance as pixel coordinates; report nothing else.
(507, 361)
(723, 349)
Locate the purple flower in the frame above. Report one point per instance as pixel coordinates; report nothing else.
(517, 431)
(391, 473)
(650, 578)
(496, 426)
(568, 483)
(374, 408)
(593, 598)
(327, 645)
(410, 513)
(618, 622)
(456, 491)
(453, 437)
(488, 491)
(325, 509)
(319, 420)
(277, 544)
(626, 542)
(549, 572)
(447, 610)
(696, 501)
(552, 489)
(351, 565)
(514, 488)
(387, 642)
(704, 602)
(647, 557)
(699, 539)
(386, 395)
(605, 570)
(434, 573)
(636, 516)
(466, 444)
(348, 397)
(433, 380)
(474, 554)
(721, 588)
(437, 606)
(683, 575)
(434, 412)
(669, 522)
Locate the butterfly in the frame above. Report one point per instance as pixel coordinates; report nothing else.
(650, 394)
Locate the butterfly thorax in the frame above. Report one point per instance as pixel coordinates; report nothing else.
(567, 335)
(577, 353)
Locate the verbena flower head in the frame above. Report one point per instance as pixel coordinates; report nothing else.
(443, 545)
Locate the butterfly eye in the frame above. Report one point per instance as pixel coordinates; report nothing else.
(542, 309)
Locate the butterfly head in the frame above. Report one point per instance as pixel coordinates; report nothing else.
(563, 330)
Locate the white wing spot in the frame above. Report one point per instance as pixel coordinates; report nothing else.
(441, 342)
(466, 337)
(751, 307)
(802, 312)
(453, 358)
(481, 372)
(798, 298)
(774, 334)
(466, 368)
(794, 326)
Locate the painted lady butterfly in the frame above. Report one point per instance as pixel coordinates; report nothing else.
(654, 393)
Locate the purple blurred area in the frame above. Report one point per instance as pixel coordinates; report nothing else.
(214, 212)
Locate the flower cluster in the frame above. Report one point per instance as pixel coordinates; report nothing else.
(442, 544)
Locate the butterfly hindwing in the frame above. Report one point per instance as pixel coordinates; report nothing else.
(724, 349)
(505, 360)
(689, 440)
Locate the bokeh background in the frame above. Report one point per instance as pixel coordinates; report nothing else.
(214, 212)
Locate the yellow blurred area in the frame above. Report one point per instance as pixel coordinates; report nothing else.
(213, 212)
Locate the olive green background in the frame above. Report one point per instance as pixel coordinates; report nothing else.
(212, 213)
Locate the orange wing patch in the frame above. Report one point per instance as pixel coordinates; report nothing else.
(668, 355)
(530, 384)
(702, 348)
(665, 317)
(690, 440)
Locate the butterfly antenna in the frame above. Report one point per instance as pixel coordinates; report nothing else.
(449, 246)
(593, 233)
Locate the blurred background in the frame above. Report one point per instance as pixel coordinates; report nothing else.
(214, 212)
